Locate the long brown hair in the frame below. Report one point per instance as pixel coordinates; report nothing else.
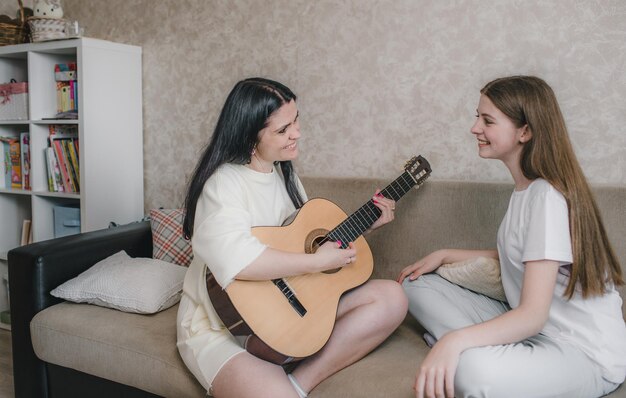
(529, 101)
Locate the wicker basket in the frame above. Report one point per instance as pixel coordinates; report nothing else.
(44, 29)
(15, 31)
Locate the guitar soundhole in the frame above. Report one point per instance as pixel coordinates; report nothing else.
(313, 241)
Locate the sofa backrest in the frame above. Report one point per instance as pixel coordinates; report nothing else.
(455, 214)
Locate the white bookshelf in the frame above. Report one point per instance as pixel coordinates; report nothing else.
(109, 131)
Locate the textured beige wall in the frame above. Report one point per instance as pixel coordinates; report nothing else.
(377, 81)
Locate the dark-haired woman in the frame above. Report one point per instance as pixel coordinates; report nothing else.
(244, 179)
(561, 332)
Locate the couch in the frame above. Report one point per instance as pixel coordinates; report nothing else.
(64, 349)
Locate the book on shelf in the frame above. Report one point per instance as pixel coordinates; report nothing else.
(49, 171)
(15, 162)
(66, 88)
(64, 165)
(65, 97)
(71, 156)
(5, 165)
(63, 131)
(26, 232)
(25, 159)
(55, 181)
(63, 159)
(13, 167)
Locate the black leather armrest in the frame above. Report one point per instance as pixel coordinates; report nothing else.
(36, 269)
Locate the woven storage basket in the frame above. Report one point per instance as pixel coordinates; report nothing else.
(14, 32)
(14, 101)
(43, 29)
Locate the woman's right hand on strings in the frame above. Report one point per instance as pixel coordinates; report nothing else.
(331, 255)
(422, 266)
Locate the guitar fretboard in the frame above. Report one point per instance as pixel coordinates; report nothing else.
(354, 226)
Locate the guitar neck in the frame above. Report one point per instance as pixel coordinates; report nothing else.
(357, 223)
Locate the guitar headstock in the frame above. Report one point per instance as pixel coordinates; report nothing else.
(419, 169)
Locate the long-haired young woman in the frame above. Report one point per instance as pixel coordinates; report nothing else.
(561, 333)
(243, 179)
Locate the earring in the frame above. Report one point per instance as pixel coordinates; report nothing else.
(253, 150)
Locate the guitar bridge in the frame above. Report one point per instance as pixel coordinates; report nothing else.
(290, 296)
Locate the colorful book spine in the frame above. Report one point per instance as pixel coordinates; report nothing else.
(67, 180)
(73, 157)
(66, 144)
(49, 171)
(63, 140)
(25, 159)
(5, 168)
(75, 87)
(59, 97)
(16, 166)
(55, 171)
(26, 231)
(67, 87)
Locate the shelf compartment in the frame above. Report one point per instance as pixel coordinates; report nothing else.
(43, 214)
(15, 209)
(13, 66)
(42, 85)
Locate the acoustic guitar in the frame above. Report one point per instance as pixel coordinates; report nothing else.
(294, 316)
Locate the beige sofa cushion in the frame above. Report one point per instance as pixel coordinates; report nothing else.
(388, 371)
(132, 349)
(140, 350)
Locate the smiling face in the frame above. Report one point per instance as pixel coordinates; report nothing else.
(498, 137)
(278, 141)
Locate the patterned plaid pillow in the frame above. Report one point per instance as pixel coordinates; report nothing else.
(167, 237)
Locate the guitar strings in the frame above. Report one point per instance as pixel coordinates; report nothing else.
(354, 226)
(369, 213)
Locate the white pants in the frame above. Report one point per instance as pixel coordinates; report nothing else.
(536, 367)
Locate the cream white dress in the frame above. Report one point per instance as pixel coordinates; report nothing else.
(233, 200)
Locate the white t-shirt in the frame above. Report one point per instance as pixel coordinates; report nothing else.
(536, 227)
(233, 200)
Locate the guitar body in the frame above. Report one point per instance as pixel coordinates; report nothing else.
(293, 317)
(265, 308)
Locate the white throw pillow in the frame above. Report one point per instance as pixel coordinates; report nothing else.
(480, 274)
(139, 285)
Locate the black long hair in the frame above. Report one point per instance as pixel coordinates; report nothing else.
(246, 111)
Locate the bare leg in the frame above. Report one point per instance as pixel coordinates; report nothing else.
(365, 318)
(248, 376)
